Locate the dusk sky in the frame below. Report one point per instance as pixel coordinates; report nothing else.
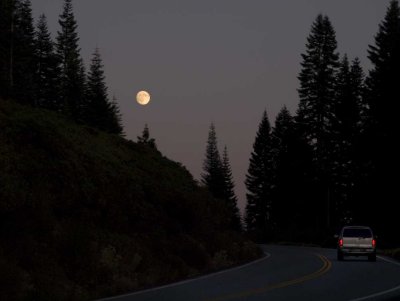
(209, 61)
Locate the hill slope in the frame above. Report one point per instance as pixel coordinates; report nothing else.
(85, 215)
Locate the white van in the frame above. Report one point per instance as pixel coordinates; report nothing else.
(356, 241)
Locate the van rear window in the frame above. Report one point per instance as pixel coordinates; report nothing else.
(366, 233)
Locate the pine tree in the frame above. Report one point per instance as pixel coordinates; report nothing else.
(100, 113)
(145, 138)
(72, 73)
(212, 176)
(382, 129)
(382, 82)
(315, 113)
(23, 66)
(47, 70)
(229, 193)
(259, 183)
(286, 209)
(7, 8)
(358, 89)
(345, 131)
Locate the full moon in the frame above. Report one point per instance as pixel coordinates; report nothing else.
(143, 98)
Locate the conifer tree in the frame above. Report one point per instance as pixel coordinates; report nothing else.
(72, 73)
(100, 112)
(145, 138)
(345, 130)
(317, 83)
(229, 193)
(23, 54)
(259, 184)
(315, 112)
(382, 82)
(286, 209)
(212, 176)
(47, 70)
(382, 128)
(7, 8)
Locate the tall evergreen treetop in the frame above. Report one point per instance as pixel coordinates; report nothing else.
(100, 112)
(72, 76)
(283, 130)
(317, 81)
(259, 182)
(96, 79)
(67, 39)
(212, 176)
(348, 105)
(47, 70)
(260, 159)
(7, 8)
(358, 89)
(382, 83)
(23, 54)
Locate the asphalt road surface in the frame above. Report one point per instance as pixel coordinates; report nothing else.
(288, 273)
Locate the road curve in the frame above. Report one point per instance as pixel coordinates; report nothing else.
(288, 273)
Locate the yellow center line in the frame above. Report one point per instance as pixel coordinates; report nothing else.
(326, 266)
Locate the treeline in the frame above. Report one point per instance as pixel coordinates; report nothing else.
(334, 162)
(37, 71)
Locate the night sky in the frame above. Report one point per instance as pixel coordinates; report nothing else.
(209, 61)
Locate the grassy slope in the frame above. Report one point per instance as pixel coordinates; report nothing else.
(85, 215)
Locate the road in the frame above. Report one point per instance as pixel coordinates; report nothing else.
(288, 273)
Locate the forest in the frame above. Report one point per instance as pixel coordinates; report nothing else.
(333, 162)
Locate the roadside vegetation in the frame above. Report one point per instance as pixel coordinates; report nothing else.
(85, 214)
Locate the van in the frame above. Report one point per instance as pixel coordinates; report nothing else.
(356, 241)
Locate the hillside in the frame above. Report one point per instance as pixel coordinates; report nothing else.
(85, 215)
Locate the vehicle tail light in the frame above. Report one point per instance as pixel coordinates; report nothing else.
(374, 243)
(340, 242)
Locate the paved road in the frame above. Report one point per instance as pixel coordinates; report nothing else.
(289, 273)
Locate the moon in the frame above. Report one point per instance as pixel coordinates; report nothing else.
(143, 98)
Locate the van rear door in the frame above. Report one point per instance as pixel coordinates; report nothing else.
(357, 238)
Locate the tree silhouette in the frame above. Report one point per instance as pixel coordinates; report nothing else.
(100, 112)
(345, 131)
(287, 210)
(259, 182)
(72, 73)
(47, 70)
(212, 176)
(382, 97)
(145, 138)
(315, 112)
(229, 193)
(7, 8)
(22, 59)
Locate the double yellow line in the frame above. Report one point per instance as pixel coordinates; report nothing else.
(323, 270)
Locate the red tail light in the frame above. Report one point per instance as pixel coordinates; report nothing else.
(340, 242)
(374, 243)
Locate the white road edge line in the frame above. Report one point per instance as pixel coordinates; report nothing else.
(389, 260)
(267, 255)
(383, 292)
